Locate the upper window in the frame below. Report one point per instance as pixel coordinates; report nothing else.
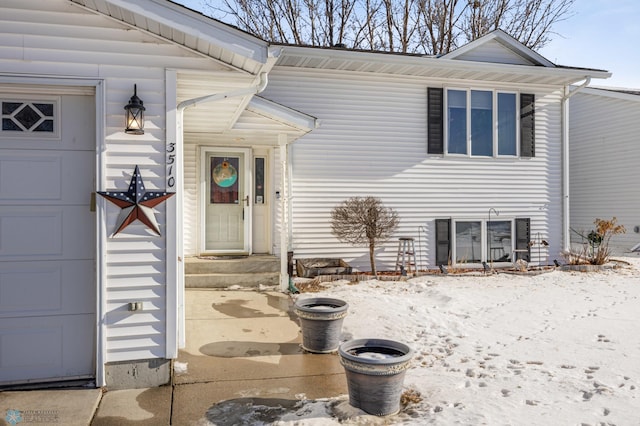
(507, 124)
(457, 123)
(481, 122)
(29, 118)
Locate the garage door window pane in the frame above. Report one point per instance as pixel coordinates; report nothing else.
(24, 118)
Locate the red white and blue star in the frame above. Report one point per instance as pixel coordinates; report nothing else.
(136, 203)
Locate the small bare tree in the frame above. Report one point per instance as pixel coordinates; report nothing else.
(364, 220)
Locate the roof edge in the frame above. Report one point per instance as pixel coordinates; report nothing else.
(198, 25)
(632, 95)
(442, 62)
(283, 114)
(506, 40)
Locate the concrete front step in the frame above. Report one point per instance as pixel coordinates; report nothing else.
(254, 279)
(223, 272)
(222, 265)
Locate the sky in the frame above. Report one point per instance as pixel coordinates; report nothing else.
(601, 34)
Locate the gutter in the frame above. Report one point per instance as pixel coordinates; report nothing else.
(253, 90)
(568, 93)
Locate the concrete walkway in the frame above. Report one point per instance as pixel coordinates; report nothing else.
(243, 350)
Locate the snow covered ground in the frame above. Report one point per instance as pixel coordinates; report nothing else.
(559, 348)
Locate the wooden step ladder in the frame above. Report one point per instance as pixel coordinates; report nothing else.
(406, 258)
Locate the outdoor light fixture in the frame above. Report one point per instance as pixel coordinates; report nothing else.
(135, 114)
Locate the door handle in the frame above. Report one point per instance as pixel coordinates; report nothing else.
(246, 199)
(92, 202)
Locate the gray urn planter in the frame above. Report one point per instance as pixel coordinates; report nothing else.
(375, 370)
(321, 323)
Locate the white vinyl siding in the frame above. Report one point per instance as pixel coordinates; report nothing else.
(372, 141)
(191, 209)
(604, 155)
(494, 51)
(57, 38)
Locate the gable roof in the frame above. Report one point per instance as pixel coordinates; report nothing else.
(499, 47)
(188, 28)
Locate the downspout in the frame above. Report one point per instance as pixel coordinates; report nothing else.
(289, 199)
(292, 288)
(568, 93)
(286, 281)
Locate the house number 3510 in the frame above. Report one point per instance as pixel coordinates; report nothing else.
(171, 159)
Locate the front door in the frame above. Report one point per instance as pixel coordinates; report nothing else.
(226, 195)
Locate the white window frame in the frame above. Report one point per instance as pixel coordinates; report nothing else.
(494, 100)
(483, 239)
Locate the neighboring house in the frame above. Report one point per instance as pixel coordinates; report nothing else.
(604, 152)
(467, 147)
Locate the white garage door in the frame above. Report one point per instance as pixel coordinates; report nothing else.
(47, 236)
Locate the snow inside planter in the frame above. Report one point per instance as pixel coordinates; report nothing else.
(321, 323)
(308, 268)
(375, 371)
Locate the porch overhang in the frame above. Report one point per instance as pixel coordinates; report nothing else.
(261, 122)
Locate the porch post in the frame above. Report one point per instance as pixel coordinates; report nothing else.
(174, 267)
(284, 212)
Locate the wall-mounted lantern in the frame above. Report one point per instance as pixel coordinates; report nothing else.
(135, 114)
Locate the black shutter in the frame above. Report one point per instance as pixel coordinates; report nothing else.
(435, 125)
(527, 125)
(443, 241)
(523, 236)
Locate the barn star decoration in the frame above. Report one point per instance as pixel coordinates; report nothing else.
(136, 203)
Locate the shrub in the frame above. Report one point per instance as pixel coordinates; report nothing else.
(595, 248)
(362, 221)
